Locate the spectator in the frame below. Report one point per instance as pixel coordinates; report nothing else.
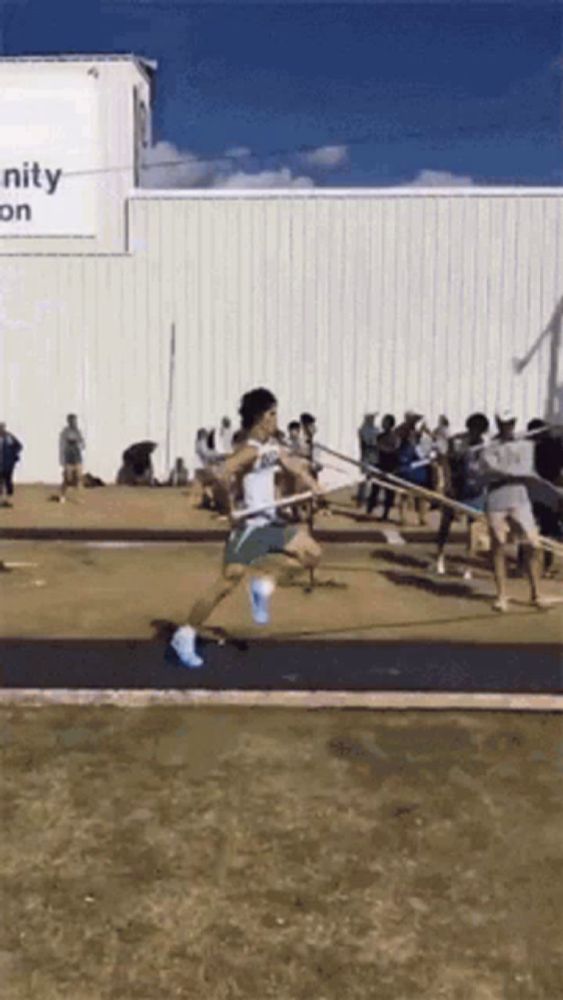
(91, 482)
(548, 463)
(205, 456)
(368, 434)
(463, 482)
(225, 437)
(137, 468)
(179, 474)
(312, 456)
(441, 434)
(414, 465)
(203, 453)
(409, 424)
(71, 448)
(505, 466)
(388, 443)
(10, 450)
(294, 437)
(439, 454)
(308, 431)
(239, 438)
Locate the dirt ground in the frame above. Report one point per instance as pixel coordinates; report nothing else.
(107, 507)
(89, 590)
(115, 508)
(157, 853)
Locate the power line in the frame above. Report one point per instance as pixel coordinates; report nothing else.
(208, 159)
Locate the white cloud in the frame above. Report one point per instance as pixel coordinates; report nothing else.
(327, 157)
(439, 178)
(168, 167)
(282, 178)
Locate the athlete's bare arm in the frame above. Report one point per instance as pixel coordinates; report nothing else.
(228, 472)
(299, 469)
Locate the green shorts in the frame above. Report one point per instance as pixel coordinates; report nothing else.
(251, 542)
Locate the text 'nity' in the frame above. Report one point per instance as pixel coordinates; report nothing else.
(31, 175)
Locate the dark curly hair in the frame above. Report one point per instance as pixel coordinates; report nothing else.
(477, 423)
(253, 405)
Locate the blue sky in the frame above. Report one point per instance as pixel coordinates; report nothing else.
(399, 92)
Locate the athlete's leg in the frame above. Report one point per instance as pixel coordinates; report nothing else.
(299, 547)
(531, 558)
(183, 641)
(64, 484)
(388, 502)
(373, 498)
(230, 578)
(499, 527)
(499, 570)
(423, 509)
(443, 534)
(304, 548)
(404, 505)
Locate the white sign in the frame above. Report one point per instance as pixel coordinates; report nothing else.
(49, 153)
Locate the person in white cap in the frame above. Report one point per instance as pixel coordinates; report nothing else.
(506, 463)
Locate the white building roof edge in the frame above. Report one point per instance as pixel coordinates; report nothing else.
(147, 64)
(183, 194)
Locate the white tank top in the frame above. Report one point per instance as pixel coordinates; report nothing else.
(259, 482)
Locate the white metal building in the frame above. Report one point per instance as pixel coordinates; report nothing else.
(339, 300)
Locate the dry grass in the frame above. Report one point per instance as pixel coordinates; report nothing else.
(225, 854)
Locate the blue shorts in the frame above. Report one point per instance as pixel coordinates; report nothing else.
(476, 503)
(251, 542)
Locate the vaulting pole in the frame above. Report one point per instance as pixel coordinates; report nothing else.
(422, 491)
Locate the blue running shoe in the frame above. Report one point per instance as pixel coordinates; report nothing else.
(182, 647)
(260, 592)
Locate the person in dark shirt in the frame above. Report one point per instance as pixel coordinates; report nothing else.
(309, 452)
(548, 463)
(548, 451)
(414, 464)
(137, 468)
(368, 434)
(462, 481)
(10, 450)
(388, 443)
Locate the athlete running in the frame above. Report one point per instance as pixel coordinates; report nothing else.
(251, 471)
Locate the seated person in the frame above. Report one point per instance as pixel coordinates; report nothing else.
(137, 468)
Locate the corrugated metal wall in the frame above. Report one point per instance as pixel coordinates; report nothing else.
(340, 303)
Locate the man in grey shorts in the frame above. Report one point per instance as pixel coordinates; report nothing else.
(257, 531)
(247, 543)
(506, 463)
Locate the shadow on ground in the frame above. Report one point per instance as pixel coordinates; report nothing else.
(442, 587)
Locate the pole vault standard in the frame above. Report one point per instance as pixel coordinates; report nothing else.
(422, 491)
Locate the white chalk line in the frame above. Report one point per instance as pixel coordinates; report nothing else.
(378, 700)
